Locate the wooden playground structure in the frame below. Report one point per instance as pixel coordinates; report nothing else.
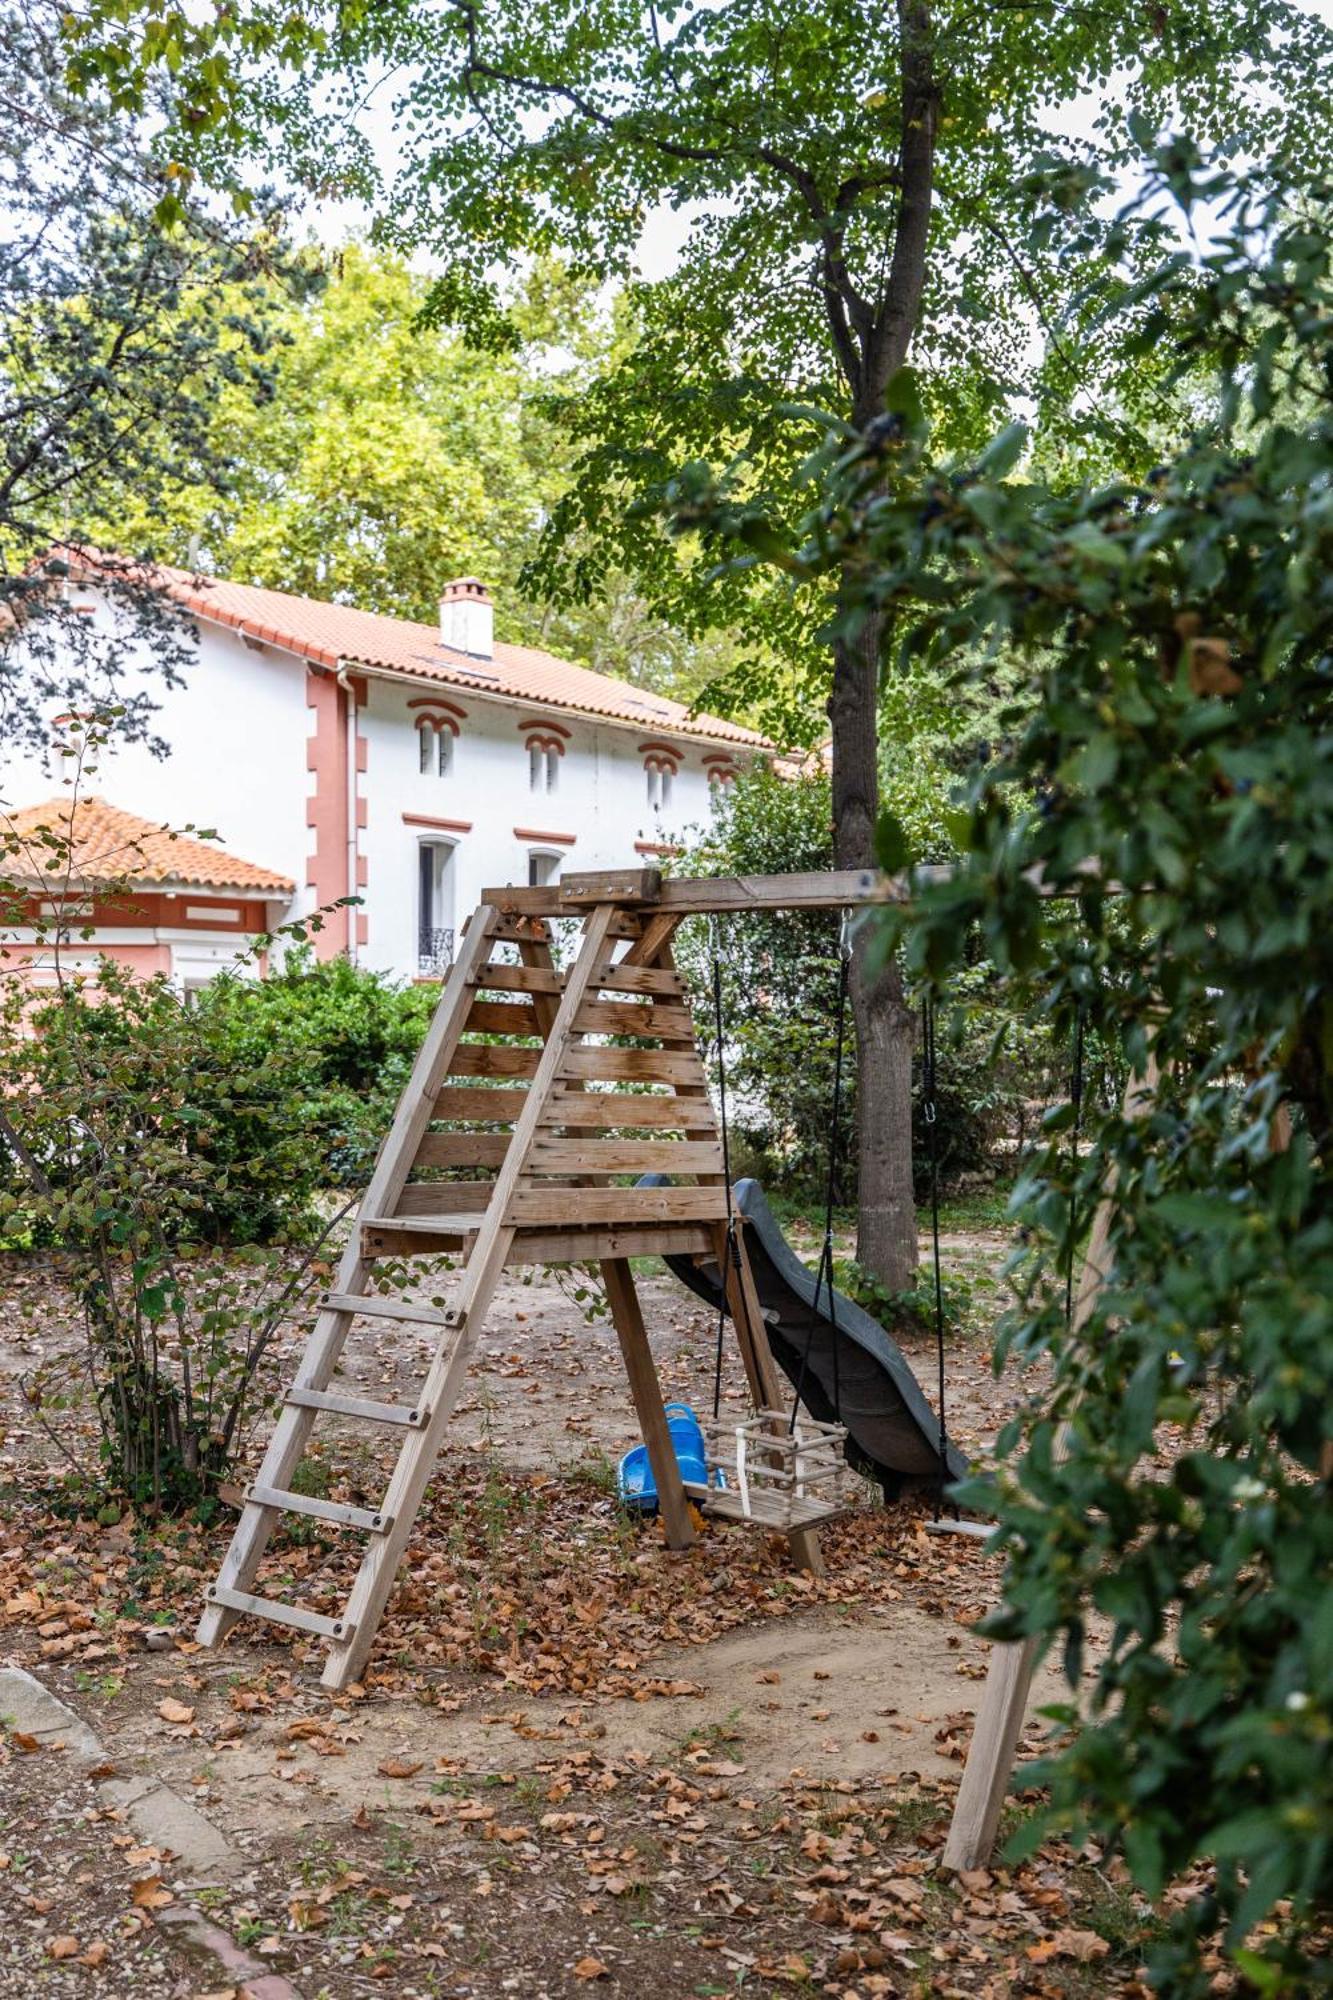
(586, 1076)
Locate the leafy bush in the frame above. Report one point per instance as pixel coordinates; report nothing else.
(1179, 635)
(343, 1037)
(132, 1148)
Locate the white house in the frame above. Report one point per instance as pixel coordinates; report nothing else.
(346, 753)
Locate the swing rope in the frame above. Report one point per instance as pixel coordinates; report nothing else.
(929, 1113)
(731, 1251)
(824, 1273)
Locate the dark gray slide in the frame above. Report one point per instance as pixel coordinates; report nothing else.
(893, 1433)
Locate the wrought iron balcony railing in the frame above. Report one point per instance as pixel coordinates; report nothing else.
(435, 953)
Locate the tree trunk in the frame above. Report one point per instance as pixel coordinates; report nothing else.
(886, 1243)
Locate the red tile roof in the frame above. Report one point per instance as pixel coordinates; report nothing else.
(108, 845)
(334, 634)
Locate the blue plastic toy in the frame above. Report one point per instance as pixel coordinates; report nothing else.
(634, 1478)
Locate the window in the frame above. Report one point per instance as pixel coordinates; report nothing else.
(659, 786)
(542, 868)
(435, 908)
(435, 749)
(543, 768)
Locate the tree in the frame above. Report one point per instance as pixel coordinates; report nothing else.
(1152, 853)
(122, 311)
(388, 455)
(851, 175)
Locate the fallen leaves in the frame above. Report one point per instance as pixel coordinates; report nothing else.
(149, 1893)
(62, 1947)
(591, 1968)
(176, 1712)
(399, 1767)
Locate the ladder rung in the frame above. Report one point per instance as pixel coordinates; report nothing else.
(358, 1406)
(336, 1511)
(278, 1613)
(380, 1308)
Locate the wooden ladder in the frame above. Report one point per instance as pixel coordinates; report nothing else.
(535, 1110)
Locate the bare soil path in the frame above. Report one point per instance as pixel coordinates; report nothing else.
(578, 1763)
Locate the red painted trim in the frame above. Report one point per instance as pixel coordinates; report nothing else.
(438, 701)
(656, 847)
(556, 839)
(437, 722)
(152, 909)
(440, 825)
(663, 749)
(326, 811)
(556, 728)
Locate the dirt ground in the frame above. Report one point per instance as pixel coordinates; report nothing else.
(577, 1763)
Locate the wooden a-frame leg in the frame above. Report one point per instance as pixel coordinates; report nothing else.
(999, 1723)
(761, 1371)
(647, 1393)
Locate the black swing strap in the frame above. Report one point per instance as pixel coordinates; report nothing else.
(824, 1273)
(929, 1113)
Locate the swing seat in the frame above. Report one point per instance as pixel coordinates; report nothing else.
(634, 1476)
(774, 1476)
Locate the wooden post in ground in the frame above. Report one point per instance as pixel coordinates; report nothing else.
(990, 1759)
(618, 1279)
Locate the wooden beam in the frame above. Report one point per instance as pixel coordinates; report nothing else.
(610, 1110)
(634, 1207)
(847, 888)
(647, 1394)
(625, 1156)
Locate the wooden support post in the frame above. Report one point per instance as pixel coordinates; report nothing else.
(618, 1279)
(761, 1371)
(990, 1759)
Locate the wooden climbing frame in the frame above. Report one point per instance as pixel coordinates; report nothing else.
(514, 1149)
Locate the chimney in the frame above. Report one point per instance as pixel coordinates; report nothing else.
(467, 617)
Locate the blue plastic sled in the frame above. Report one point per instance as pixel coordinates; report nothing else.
(634, 1477)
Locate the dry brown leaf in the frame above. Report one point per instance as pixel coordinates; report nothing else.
(175, 1711)
(398, 1767)
(148, 1893)
(62, 1947)
(591, 1968)
(22, 1741)
(94, 1954)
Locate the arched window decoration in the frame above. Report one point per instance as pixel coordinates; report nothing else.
(545, 743)
(661, 762)
(720, 770)
(437, 728)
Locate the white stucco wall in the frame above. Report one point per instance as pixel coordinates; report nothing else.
(237, 732)
(600, 799)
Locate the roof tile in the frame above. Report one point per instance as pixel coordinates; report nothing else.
(338, 633)
(109, 845)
